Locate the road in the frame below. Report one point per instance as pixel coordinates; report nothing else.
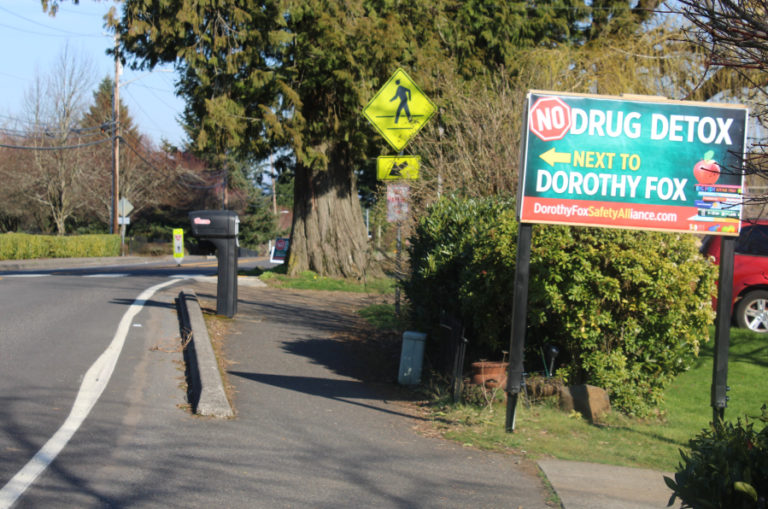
(306, 434)
(54, 325)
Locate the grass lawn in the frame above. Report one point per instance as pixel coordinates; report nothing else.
(543, 430)
(311, 281)
(382, 317)
(747, 374)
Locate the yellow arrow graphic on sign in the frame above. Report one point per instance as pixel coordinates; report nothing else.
(552, 157)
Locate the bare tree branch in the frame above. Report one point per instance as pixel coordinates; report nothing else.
(734, 35)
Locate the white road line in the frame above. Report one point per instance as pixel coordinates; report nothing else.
(94, 383)
(26, 275)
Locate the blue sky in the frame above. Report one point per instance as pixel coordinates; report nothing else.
(32, 41)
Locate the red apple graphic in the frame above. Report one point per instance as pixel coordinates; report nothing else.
(707, 171)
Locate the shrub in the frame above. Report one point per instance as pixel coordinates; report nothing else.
(627, 309)
(22, 246)
(727, 467)
(449, 252)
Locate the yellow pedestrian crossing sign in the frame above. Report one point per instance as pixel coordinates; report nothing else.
(398, 167)
(399, 110)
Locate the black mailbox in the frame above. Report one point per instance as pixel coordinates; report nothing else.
(214, 224)
(220, 227)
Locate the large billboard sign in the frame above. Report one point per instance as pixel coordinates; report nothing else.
(632, 162)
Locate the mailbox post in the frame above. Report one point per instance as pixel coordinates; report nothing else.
(221, 228)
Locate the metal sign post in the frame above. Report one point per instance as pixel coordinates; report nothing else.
(719, 399)
(519, 321)
(124, 208)
(398, 265)
(397, 212)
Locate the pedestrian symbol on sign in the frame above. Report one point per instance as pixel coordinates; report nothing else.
(399, 97)
(404, 94)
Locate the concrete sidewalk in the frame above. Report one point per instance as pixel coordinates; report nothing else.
(582, 485)
(578, 485)
(300, 390)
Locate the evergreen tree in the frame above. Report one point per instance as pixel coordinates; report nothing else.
(263, 76)
(258, 224)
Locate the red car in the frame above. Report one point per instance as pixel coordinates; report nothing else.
(750, 274)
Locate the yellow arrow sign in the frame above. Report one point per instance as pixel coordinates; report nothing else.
(398, 167)
(399, 110)
(551, 157)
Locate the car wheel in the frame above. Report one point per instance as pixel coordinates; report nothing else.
(752, 311)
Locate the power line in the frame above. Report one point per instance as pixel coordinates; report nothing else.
(61, 147)
(84, 145)
(52, 132)
(67, 32)
(140, 156)
(13, 76)
(182, 177)
(36, 125)
(32, 32)
(79, 11)
(147, 115)
(215, 175)
(171, 92)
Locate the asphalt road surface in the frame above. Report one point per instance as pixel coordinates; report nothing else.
(306, 433)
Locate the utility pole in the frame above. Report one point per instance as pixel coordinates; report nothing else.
(224, 190)
(273, 177)
(115, 142)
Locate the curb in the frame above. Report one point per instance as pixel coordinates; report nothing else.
(206, 389)
(70, 263)
(89, 263)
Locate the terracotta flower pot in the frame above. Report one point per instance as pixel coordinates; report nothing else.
(489, 374)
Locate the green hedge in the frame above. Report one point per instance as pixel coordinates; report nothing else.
(627, 309)
(22, 246)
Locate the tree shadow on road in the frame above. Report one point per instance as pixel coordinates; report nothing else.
(146, 303)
